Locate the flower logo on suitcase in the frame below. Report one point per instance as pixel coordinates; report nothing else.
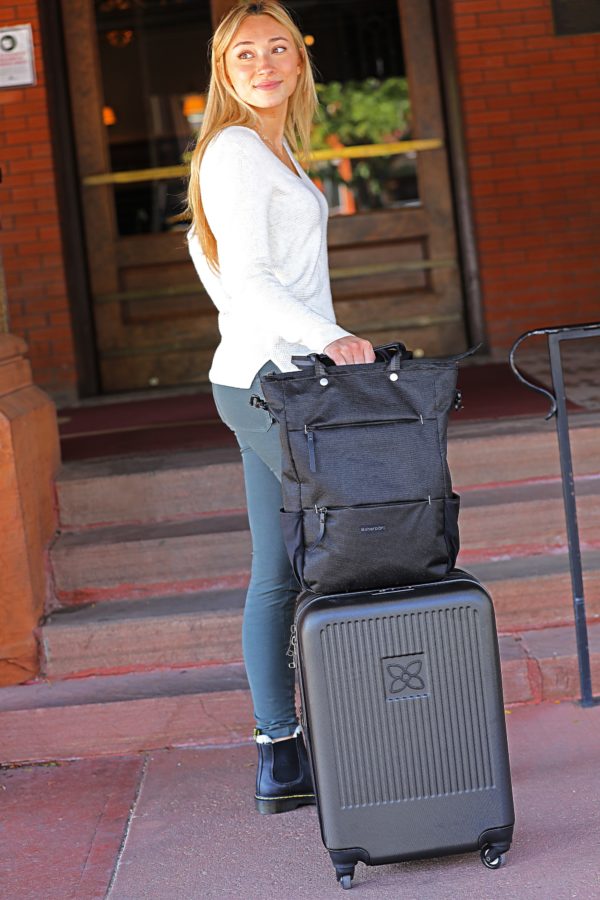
(404, 676)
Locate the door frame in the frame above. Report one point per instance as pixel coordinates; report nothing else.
(68, 195)
(445, 37)
(70, 191)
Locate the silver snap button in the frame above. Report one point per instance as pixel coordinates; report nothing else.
(394, 376)
(323, 381)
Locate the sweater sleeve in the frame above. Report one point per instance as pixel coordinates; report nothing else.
(236, 193)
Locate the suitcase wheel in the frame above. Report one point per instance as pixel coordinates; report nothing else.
(344, 875)
(492, 859)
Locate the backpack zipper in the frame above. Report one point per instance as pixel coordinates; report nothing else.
(312, 462)
(309, 431)
(322, 512)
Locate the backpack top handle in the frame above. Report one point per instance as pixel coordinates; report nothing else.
(392, 354)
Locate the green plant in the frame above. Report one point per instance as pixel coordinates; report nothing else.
(362, 112)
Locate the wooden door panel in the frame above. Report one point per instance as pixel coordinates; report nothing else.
(372, 288)
(397, 313)
(177, 276)
(389, 224)
(163, 368)
(393, 309)
(432, 339)
(163, 318)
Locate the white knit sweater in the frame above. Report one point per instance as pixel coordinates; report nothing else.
(272, 291)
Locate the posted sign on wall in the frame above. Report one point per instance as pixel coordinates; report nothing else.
(17, 67)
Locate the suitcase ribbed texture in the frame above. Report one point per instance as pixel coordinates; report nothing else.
(407, 700)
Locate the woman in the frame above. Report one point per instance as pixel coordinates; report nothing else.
(258, 241)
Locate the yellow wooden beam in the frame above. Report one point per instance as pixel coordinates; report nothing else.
(368, 150)
(363, 151)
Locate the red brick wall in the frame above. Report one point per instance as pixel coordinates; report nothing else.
(530, 106)
(30, 238)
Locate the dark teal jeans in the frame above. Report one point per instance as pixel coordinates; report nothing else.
(273, 588)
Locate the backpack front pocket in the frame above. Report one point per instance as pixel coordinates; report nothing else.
(368, 462)
(379, 545)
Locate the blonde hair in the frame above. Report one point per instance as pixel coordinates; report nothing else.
(224, 108)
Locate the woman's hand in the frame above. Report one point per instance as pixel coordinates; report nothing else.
(350, 350)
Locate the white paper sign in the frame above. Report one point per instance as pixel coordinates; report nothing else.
(17, 66)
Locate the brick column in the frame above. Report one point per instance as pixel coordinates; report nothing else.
(38, 307)
(29, 459)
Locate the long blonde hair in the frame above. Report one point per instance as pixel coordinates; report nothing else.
(224, 108)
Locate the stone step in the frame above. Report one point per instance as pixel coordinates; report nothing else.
(126, 561)
(158, 487)
(527, 520)
(187, 485)
(519, 450)
(124, 713)
(128, 635)
(211, 705)
(205, 627)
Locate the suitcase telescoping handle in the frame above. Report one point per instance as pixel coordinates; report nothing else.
(392, 354)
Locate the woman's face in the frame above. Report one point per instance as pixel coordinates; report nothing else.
(263, 63)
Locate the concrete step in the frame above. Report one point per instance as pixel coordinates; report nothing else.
(205, 627)
(187, 485)
(210, 705)
(126, 561)
(124, 713)
(525, 520)
(129, 635)
(519, 450)
(153, 488)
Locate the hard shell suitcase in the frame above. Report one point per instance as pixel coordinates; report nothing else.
(404, 718)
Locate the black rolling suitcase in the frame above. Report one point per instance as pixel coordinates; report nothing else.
(404, 718)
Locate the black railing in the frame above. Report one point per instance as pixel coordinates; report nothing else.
(558, 408)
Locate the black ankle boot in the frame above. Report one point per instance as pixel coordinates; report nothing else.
(283, 779)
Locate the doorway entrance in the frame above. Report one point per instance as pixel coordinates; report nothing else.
(138, 72)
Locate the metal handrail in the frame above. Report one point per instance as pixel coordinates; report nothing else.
(362, 151)
(558, 409)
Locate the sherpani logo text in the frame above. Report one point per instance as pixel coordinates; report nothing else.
(373, 528)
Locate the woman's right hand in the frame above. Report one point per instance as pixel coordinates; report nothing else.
(350, 350)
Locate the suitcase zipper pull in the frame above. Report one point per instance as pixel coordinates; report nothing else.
(310, 437)
(291, 650)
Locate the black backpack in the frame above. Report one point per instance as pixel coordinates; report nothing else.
(367, 495)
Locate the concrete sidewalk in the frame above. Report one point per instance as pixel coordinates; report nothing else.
(180, 825)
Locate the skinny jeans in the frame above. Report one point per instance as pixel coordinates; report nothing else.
(273, 588)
